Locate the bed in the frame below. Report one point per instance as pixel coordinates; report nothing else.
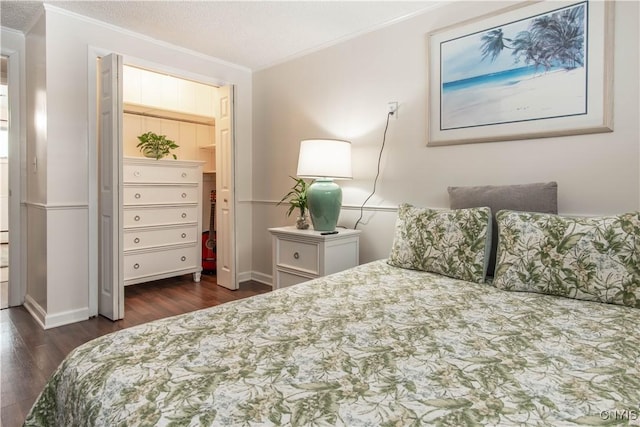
(385, 343)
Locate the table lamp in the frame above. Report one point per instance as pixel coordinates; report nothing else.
(324, 160)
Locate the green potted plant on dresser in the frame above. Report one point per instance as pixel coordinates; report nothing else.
(156, 146)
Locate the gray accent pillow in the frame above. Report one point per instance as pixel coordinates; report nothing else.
(536, 197)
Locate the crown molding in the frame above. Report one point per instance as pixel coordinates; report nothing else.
(50, 8)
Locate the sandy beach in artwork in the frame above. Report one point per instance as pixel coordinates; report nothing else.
(553, 94)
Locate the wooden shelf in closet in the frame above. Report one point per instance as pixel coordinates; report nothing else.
(148, 111)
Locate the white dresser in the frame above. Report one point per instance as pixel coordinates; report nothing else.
(162, 216)
(301, 255)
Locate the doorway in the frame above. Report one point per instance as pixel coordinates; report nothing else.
(4, 183)
(142, 111)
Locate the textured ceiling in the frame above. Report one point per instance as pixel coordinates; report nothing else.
(254, 34)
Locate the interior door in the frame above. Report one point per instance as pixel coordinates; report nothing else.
(225, 218)
(110, 235)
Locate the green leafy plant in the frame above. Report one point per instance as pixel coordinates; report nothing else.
(297, 197)
(156, 146)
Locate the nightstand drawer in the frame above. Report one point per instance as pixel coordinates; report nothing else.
(285, 279)
(298, 255)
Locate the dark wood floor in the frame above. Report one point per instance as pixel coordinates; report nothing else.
(29, 354)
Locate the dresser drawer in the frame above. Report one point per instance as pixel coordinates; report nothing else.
(166, 194)
(165, 215)
(297, 255)
(160, 173)
(150, 238)
(139, 265)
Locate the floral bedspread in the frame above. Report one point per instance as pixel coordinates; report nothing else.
(375, 345)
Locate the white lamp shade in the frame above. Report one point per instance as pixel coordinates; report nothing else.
(325, 158)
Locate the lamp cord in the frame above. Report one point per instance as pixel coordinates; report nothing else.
(375, 181)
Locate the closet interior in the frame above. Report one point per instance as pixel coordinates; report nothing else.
(168, 205)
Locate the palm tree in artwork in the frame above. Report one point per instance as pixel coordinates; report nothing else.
(492, 43)
(553, 39)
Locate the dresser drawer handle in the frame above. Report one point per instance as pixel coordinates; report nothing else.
(184, 174)
(136, 266)
(296, 255)
(183, 258)
(184, 215)
(137, 196)
(184, 235)
(136, 218)
(136, 240)
(136, 173)
(184, 195)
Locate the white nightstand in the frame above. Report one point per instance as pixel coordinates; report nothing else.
(301, 255)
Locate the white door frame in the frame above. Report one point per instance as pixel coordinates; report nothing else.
(17, 178)
(93, 54)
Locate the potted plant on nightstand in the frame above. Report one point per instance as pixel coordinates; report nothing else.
(297, 199)
(156, 146)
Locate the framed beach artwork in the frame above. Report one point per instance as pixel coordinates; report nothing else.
(534, 70)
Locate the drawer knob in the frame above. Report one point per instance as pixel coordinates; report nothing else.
(136, 266)
(183, 258)
(184, 195)
(136, 218)
(136, 173)
(136, 240)
(184, 215)
(137, 196)
(296, 255)
(184, 235)
(184, 174)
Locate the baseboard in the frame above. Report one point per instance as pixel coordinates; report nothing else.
(66, 317)
(265, 279)
(47, 321)
(244, 276)
(38, 313)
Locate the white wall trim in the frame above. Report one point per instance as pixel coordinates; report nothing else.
(57, 206)
(48, 321)
(12, 31)
(380, 208)
(266, 279)
(66, 317)
(36, 310)
(244, 276)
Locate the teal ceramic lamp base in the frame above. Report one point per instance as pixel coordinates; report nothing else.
(324, 198)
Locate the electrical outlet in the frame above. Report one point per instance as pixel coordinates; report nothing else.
(392, 107)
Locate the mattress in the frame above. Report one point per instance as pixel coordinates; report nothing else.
(373, 345)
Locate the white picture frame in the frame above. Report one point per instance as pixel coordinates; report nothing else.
(499, 77)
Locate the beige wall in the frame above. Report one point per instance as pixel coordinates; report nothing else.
(342, 92)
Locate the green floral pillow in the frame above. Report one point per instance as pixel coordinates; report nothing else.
(453, 243)
(595, 259)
